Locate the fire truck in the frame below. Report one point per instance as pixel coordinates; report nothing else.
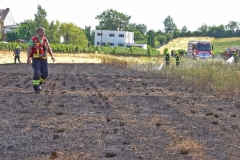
(199, 50)
(229, 52)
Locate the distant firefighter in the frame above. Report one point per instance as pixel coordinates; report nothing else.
(177, 58)
(17, 54)
(236, 57)
(167, 58)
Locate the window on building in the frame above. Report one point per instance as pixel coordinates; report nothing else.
(121, 35)
(98, 43)
(120, 44)
(111, 35)
(99, 34)
(111, 44)
(103, 44)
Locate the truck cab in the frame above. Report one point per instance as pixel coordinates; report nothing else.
(199, 49)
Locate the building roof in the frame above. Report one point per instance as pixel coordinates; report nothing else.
(21, 41)
(3, 14)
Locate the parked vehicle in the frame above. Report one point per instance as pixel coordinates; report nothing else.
(229, 52)
(199, 49)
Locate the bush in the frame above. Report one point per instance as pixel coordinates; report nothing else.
(71, 48)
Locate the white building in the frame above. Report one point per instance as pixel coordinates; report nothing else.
(116, 38)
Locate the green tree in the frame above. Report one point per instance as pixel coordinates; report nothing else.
(41, 18)
(73, 34)
(90, 35)
(183, 30)
(232, 26)
(169, 37)
(12, 36)
(139, 31)
(27, 29)
(176, 33)
(142, 28)
(53, 32)
(216, 31)
(151, 38)
(112, 20)
(161, 39)
(170, 26)
(203, 30)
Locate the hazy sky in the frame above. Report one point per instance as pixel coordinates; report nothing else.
(192, 13)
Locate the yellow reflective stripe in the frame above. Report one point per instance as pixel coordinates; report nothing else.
(35, 55)
(42, 80)
(35, 82)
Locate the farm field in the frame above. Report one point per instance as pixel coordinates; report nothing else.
(220, 44)
(88, 110)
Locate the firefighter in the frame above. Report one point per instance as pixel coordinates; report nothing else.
(38, 47)
(213, 55)
(177, 58)
(172, 53)
(236, 57)
(167, 58)
(17, 54)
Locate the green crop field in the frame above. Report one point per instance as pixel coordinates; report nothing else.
(223, 43)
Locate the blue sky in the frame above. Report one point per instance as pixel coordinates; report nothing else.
(192, 13)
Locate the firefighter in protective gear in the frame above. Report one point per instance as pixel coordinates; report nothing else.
(236, 57)
(177, 58)
(38, 47)
(17, 54)
(213, 55)
(167, 58)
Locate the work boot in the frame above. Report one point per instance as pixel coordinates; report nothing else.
(37, 92)
(40, 86)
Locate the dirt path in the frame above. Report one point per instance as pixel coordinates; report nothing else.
(96, 111)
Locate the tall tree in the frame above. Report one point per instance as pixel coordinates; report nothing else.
(142, 28)
(203, 29)
(73, 34)
(216, 31)
(161, 39)
(112, 20)
(27, 29)
(139, 31)
(184, 30)
(170, 26)
(53, 32)
(12, 36)
(176, 33)
(90, 35)
(41, 18)
(151, 38)
(232, 26)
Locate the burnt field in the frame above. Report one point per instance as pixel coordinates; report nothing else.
(97, 111)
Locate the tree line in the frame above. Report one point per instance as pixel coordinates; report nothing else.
(114, 20)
